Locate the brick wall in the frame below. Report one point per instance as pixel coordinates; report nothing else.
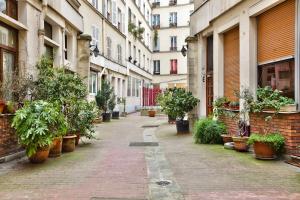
(288, 124)
(8, 139)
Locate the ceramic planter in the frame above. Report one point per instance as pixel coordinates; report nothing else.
(226, 138)
(68, 144)
(151, 113)
(56, 147)
(41, 155)
(106, 117)
(240, 143)
(264, 151)
(182, 126)
(116, 115)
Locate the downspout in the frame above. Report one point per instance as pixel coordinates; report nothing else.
(41, 31)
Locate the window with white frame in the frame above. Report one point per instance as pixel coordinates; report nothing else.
(95, 3)
(133, 87)
(156, 20)
(93, 82)
(156, 67)
(95, 36)
(173, 18)
(109, 47)
(129, 86)
(119, 19)
(138, 86)
(119, 53)
(173, 43)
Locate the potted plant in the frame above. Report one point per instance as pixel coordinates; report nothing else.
(151, 112)
(36, 124)
(103, 98)
(267, 146)
(208, 131)
(182, 103)
(234, 105)
(165, 100)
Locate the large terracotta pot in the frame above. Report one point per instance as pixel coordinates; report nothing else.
(182, 126)
(56, 147)
(264, 151)
(226, 138)
(41, 155)
(151, 113)
(2, 106)
(240, 143)
(68, 144)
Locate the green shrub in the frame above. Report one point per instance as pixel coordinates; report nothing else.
(276, 140)
(37, 123)
(208, 131)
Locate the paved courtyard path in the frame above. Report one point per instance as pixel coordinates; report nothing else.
(110, 169)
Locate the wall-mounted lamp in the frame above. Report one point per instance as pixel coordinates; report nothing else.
(184, 50)
(203, 75)
(94, 50)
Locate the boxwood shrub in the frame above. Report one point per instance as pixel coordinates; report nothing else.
(209, 131)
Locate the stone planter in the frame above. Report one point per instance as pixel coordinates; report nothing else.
(240, 143)
(264, 151)
(40, 156)
(68, 144)
(56, 147)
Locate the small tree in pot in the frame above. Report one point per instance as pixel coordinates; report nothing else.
(36, 124)
(165, 100)
(182, 103)
(103, 98)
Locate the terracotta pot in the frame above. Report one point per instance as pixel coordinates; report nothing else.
(56, 147)
(264, 151)
(226, 138)
(77, 139)
(41, 155)
(68, 144)
(151, 113)
(182, 126)
(2, 106)
(240, 143)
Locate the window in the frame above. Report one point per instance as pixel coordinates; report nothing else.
(129, 86)
(173, 69)
(138, 86)
(95, 3)
(156, 44)
(93, 82)
(129, 15)
(156, 67)
(95, 36)
(156, 20)
(119, 54)
(49, 52)
(139, 52)
(173, 19)
(119, 20)
(109, 46)
(133, 87)
(134, 53)
(144, 61)
(109, 10)
(129, 49)
(66, 47)
(48, 30)
(279, 75)
(9, 7)
(173, 43)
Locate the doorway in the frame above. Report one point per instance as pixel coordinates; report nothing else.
(209, 76)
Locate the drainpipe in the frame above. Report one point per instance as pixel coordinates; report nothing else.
(41, 31)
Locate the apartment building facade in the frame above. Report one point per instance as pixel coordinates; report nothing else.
(170, 21)
(246, 44)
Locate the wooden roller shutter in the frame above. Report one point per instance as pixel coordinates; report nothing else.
(276, 32)
(231, 63)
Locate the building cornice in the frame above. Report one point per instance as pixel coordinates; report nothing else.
(177, 5)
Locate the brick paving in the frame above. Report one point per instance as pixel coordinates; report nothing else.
(108, 169)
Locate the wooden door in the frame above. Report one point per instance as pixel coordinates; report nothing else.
(209, 77)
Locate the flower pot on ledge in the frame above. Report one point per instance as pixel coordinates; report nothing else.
(151, 113)
(226, 138)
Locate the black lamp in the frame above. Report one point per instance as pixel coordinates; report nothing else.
(95, 50)
(184, 50)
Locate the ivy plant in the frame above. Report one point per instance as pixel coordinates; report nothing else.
(37, 123)
(104, 96)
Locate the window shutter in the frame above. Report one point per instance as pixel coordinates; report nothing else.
(114, 12)
(276, 32)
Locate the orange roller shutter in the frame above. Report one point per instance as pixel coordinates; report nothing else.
(231, 63)
(276, 32)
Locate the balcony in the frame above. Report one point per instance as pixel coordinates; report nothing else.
(172, 2)
(173, 24)
(155, 4)
(173, 48)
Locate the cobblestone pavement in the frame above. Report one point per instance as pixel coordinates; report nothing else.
(108, 169)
